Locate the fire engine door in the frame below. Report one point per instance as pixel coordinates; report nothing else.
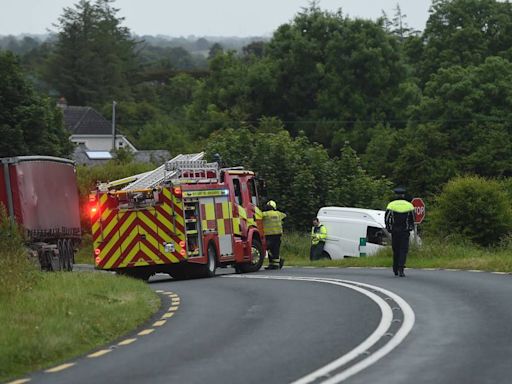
(216, 216)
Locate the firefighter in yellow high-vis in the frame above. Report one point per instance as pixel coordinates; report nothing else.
(273, 227)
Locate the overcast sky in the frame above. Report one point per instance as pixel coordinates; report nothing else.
(202, 17)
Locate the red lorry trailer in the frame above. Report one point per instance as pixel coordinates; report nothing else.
(40, 193)
(191, 220)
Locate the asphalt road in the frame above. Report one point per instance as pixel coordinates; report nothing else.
(315, 326)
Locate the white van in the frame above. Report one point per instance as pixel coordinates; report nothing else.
(345, 228)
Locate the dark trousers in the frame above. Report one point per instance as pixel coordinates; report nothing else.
(315, 253)
(400, 245)
(273, 246)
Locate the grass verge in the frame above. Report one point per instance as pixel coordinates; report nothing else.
(85, 252)
(433, 254)
(62, 315)
(46, 318)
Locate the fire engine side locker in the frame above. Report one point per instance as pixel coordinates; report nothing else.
(193, 231)
(216, 218)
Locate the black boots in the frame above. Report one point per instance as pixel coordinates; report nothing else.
(401, 272)
(395, 270)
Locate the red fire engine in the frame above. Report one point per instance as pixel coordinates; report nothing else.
(186, 218)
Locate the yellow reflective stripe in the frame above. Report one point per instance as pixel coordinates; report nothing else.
(178, 218)
(106, 249)
(167, 193)
(220, 227)
(226, 210)
(257, 213)
(251, 222)
(124, 245)
(242, 213)
(111, 225)
(149, 253)
(236, 226)
(130, 256)
(204, 224)
(210, 211)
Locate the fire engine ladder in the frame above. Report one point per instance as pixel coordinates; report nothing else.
(192, 171)
(160, 174)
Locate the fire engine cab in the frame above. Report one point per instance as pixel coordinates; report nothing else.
(186, 218)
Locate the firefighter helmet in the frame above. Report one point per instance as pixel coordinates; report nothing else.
(272, 204)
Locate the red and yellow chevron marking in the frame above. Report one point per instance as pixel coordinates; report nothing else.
(135, 238)
(217, 216)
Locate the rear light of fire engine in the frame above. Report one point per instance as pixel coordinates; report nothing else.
(93, 210)
(177, 191)
(97, 251)
(182, 244)
(183, 252)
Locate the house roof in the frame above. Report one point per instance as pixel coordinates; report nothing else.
(85, 121)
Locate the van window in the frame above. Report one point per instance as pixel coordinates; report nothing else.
(376, 235)
(238, 191)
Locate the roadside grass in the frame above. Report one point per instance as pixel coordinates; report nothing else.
(84, 254)
(47, 318)
(62, 315)
(454, 254)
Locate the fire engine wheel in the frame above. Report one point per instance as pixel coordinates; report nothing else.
(208, 270)
(257, 259)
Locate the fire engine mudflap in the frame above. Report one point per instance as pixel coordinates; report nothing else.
(186, 218)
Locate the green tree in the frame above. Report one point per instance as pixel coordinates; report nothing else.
(466, 32)
(29, 124)
(93, 60)
(299, 175)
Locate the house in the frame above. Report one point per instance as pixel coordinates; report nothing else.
(92, 135)
(90, 128)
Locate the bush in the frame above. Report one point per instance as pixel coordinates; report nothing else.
(473, 207)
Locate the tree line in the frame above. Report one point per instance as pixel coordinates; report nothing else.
(409, 108)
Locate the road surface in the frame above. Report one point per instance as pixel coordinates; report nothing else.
(327, 325)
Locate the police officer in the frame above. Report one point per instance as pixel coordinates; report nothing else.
(273, 227)
(318, 236)
(399, 220)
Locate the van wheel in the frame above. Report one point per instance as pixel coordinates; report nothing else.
(325, 256)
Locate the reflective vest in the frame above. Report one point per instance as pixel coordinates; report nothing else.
(273, 222)
(318, 234)
(399, 216)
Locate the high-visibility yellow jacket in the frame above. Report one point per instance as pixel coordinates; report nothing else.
(273, 222)
(318, 234)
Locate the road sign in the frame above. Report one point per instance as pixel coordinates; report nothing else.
(419, 209)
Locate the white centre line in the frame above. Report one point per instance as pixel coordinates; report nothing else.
(381, 330)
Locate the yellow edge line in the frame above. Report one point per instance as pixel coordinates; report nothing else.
(20, 381)
(145, 332)
(159, 323)
(126, 342)
(59, 368)
(99, 353)
(167, 315)
(173, 308)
